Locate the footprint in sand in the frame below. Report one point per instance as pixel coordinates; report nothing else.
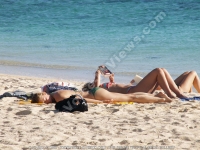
(175, 123)
(6, 87)
(147, 118)
(88, 123)
(198, 141)
(96, 127)
(102, 140)
(24, 112)
(115, 110)
(32, 86)
(133, 120)
(151, 108)
(185, 138)
(137, 130)
(124, 142)
(9, 109)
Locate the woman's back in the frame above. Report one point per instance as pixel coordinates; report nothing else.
(117, 88)
(102, 94)
(62, 94)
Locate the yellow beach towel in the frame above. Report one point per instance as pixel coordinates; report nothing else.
(23, 102)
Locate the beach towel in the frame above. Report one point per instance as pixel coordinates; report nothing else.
(19, 94)
(52, 87)
(191, 98)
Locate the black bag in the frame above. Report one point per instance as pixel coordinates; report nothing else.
(72, 104)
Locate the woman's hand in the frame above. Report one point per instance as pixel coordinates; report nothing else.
(111, 78)
(109, 101)
(97, 78)
(132, 81)
(98, 72)
(102, 66)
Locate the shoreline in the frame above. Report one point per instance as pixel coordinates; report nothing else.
(59, 74)
(37, 82)
(63, 74)
(82, 75)
(41, 74)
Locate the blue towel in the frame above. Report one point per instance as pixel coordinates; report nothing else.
(53, 87)
(197, 98)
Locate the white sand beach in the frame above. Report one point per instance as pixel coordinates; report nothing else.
(104, 126)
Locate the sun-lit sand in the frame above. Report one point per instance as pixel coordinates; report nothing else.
(107, 126)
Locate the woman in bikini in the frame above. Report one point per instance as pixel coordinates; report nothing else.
(94, 94)
(156, 79)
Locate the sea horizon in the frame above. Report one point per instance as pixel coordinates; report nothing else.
(70, 39)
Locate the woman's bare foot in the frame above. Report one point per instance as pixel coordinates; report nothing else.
(181, 95)
(162, 95)
(171, 95)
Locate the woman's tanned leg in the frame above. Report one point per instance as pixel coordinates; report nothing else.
(188, 80)
(172, 84)
(102, 94)
(156, 76)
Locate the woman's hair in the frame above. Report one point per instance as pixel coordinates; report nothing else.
(35, 98)
(87, 86)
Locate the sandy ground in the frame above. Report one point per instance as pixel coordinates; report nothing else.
(105, 126)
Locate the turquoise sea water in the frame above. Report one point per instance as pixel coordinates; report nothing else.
(68, 39)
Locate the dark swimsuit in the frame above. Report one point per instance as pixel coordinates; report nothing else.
(93, 91)
(128, 90)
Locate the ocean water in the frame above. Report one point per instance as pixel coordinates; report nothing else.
(68, 39)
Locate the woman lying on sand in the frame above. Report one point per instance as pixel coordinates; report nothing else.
(93, 94)
(187, 80)
(157, 77)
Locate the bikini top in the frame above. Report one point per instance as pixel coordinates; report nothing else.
(106, 85)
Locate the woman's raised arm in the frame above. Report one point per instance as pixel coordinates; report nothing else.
(97, 79)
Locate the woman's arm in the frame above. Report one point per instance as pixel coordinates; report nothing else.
(111, 78)
(89, 100)
(97, 79)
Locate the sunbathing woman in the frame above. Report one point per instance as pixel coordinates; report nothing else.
(157, 77)
(93, 94)
(187, 80)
